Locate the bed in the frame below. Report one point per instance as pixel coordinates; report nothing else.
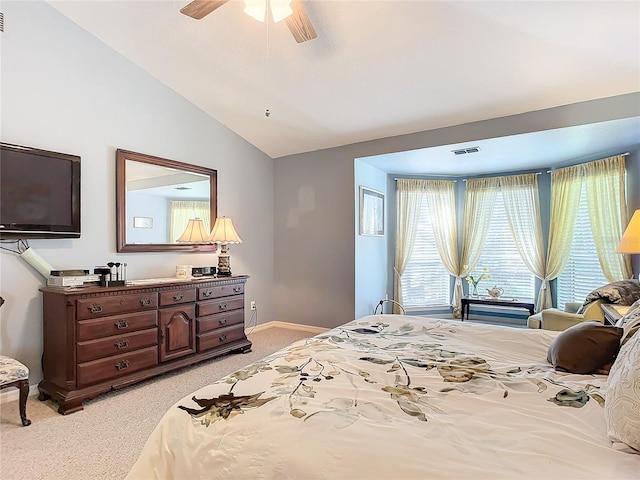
(394, 397)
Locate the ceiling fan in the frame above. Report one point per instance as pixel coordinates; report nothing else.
(294, 14)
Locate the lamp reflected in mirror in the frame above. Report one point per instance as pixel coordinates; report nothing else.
(224, 234)
(195, 232)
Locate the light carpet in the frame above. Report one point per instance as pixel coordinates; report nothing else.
(104, 440)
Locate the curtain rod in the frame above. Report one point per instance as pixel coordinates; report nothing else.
(414, 178)
(620, 154)
(536, 173)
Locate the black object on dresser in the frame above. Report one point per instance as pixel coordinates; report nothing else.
(97, 339)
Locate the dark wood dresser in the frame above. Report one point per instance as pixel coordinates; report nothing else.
(102, 338)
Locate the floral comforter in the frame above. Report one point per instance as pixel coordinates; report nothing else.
(393, 397)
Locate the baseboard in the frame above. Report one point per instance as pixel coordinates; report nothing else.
(290, 326)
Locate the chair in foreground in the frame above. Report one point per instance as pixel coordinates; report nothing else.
(15, 374)
(556, 319)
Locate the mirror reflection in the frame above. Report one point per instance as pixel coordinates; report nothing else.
(163, 205)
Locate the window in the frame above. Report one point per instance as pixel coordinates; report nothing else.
(425, 281)
(500, 255)
(583, 272)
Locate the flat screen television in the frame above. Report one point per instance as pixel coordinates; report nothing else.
(39, 193)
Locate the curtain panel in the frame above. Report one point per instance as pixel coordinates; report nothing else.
(409, 202)
(441, 201)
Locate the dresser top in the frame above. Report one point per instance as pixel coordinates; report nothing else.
(146, 285)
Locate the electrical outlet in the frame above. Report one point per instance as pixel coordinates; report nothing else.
(253, 304)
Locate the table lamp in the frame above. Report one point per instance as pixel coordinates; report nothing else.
(224, 234)
(630, 241)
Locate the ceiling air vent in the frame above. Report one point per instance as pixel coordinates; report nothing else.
(464, 151)
(1, 22)
(182, 188)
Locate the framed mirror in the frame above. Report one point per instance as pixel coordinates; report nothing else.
(159, 201)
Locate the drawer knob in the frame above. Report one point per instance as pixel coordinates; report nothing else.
(222, 321)
(177, 297)
(120, 324)
(122, 364)
(122, 344)
(237, 288)
(222, 306)
(207, 293)
(145, 302)
(222, 337)
(95, 308)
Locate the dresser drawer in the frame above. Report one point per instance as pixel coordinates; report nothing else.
(220, 306)
(207, 293)
(101, 306)
(116, 366)
(175, 297)
(116, 325)
(220, 337)
(115, 345)
(220, 320)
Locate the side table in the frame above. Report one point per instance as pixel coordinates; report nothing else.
(613, 313)
(467, 301)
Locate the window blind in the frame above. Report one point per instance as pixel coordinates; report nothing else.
(425, 281)
(583, 272)
(500, 255)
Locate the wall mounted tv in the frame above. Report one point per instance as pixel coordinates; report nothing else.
(39, 193)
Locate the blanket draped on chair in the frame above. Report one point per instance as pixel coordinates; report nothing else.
(624, 292)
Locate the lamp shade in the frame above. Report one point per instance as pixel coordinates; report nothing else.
(630, 242)
(195, 232)
(223, 232)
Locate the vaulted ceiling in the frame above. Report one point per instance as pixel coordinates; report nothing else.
(377, 68)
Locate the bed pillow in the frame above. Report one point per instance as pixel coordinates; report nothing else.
(622, 406)
(585, 348)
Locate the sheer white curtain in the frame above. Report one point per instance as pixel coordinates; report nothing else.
(566, 184)
(479, 200)
(182, 211)
(441, 201)
(409, 201)
(522, 205)
(605, 183)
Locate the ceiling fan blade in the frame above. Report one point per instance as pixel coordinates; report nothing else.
(299, 23)
(201, 8)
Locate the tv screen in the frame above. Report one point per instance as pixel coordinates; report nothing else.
(39, 193)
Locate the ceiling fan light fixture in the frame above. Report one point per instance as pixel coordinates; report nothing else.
(280, 9)
(256, 9)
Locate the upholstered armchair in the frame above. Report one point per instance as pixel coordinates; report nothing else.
(623, 292)
(556, 319)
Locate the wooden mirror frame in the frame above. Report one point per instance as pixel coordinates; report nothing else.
(121, 208)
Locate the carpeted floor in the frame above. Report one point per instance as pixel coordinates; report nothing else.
(104, 440)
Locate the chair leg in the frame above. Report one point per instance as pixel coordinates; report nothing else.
(24, 393)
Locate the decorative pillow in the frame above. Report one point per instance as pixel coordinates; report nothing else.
(632, 314)
(630, 322)
(585, 348)
(622, 406)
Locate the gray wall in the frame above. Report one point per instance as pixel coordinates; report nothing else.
(315, 261)
(64, 90)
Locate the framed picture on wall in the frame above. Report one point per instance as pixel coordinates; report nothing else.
(371, 212)
(142, 222)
